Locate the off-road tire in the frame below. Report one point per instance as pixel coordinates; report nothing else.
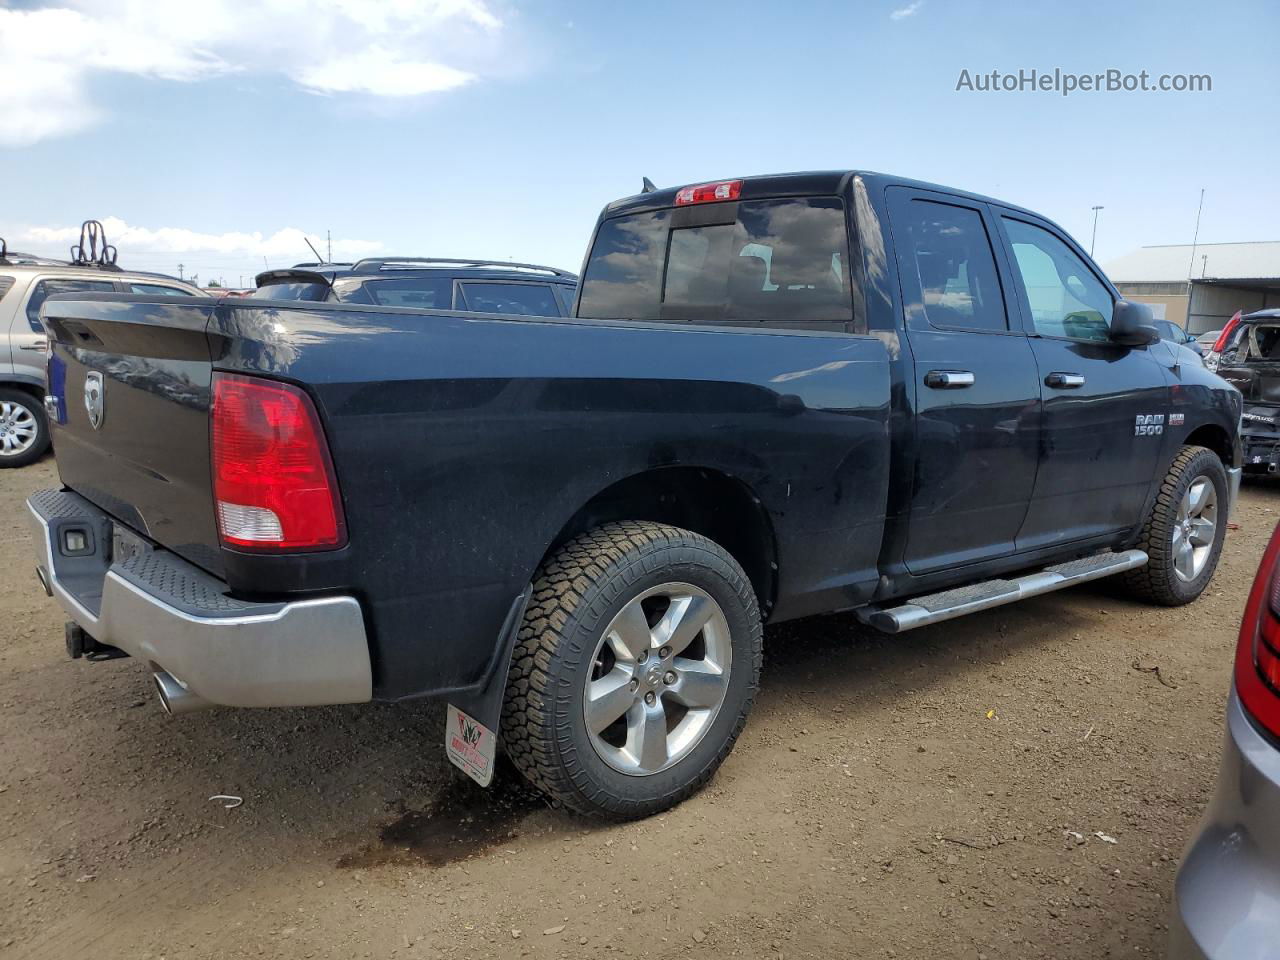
(41, 444)
(1157, 582)
(576, 594)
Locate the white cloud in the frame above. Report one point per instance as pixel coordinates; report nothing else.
(143, 247)
(384, 48)
(910, 10)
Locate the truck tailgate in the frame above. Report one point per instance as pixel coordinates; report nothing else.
(131, 377)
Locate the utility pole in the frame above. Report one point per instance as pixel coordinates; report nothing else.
(180, 277)
(1194, 238)
(1191, 267)
(1094, 238)
(328, 239)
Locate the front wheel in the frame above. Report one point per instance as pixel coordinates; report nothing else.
(24, 431)
(634, 670)
(1184, 532)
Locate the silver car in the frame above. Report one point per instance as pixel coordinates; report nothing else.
(26, 281)
(1227, 894)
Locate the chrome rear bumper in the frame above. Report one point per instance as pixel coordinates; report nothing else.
(173, 616)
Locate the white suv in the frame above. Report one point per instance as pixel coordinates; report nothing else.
(26, 281)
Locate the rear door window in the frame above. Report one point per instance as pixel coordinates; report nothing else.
(780, 260)
(522, 299)
(434, 293)
(947, 267)
(44, 288)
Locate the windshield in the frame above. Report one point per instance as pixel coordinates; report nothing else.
(784, 259)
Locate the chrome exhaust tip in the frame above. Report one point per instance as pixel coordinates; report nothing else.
(174, 697)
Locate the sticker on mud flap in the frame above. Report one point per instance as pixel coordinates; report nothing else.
(470, 745)
(1148, 425)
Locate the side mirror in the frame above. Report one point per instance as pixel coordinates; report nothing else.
(1131, 324)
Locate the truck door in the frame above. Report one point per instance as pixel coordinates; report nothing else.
(977, 413)
(1104, 404)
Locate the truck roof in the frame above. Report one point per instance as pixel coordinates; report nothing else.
(809, 183)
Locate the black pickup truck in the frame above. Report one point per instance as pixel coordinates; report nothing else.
(779, 396)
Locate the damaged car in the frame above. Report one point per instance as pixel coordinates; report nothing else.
(1247, 355)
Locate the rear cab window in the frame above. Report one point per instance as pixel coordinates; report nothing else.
(783, 261)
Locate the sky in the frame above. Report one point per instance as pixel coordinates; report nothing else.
(220, 134)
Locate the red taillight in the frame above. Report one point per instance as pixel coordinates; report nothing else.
(709, 193)
(273, 482)
(1258, 653)
(1225, 336)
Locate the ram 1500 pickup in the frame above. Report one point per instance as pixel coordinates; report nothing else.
(779, 396)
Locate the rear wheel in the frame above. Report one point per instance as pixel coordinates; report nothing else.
(24, 431)
(634, 671)
(1184, 532)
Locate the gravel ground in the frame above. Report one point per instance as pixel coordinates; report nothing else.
(909, 797)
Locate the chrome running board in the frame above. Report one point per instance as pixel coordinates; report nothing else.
(949, 604)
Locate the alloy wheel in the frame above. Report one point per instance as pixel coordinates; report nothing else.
(658, 678)
(1194, 529)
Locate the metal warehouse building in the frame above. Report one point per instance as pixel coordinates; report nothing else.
(1224, 278)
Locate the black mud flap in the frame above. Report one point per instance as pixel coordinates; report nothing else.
(483, 700)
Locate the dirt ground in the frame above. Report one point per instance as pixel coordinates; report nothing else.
(908, 797)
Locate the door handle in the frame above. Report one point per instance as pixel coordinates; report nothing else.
(38, 345)
(948, 379)
(1064, 381)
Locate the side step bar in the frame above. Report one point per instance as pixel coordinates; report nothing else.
(949, 604)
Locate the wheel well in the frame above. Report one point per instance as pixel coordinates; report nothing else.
(28, 388)
(706, 501)
(1213, 437)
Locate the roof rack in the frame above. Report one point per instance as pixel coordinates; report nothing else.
(422, 263)
(12, 258)
(86, 253)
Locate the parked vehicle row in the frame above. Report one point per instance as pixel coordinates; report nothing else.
(776, 397)
(474, 286)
